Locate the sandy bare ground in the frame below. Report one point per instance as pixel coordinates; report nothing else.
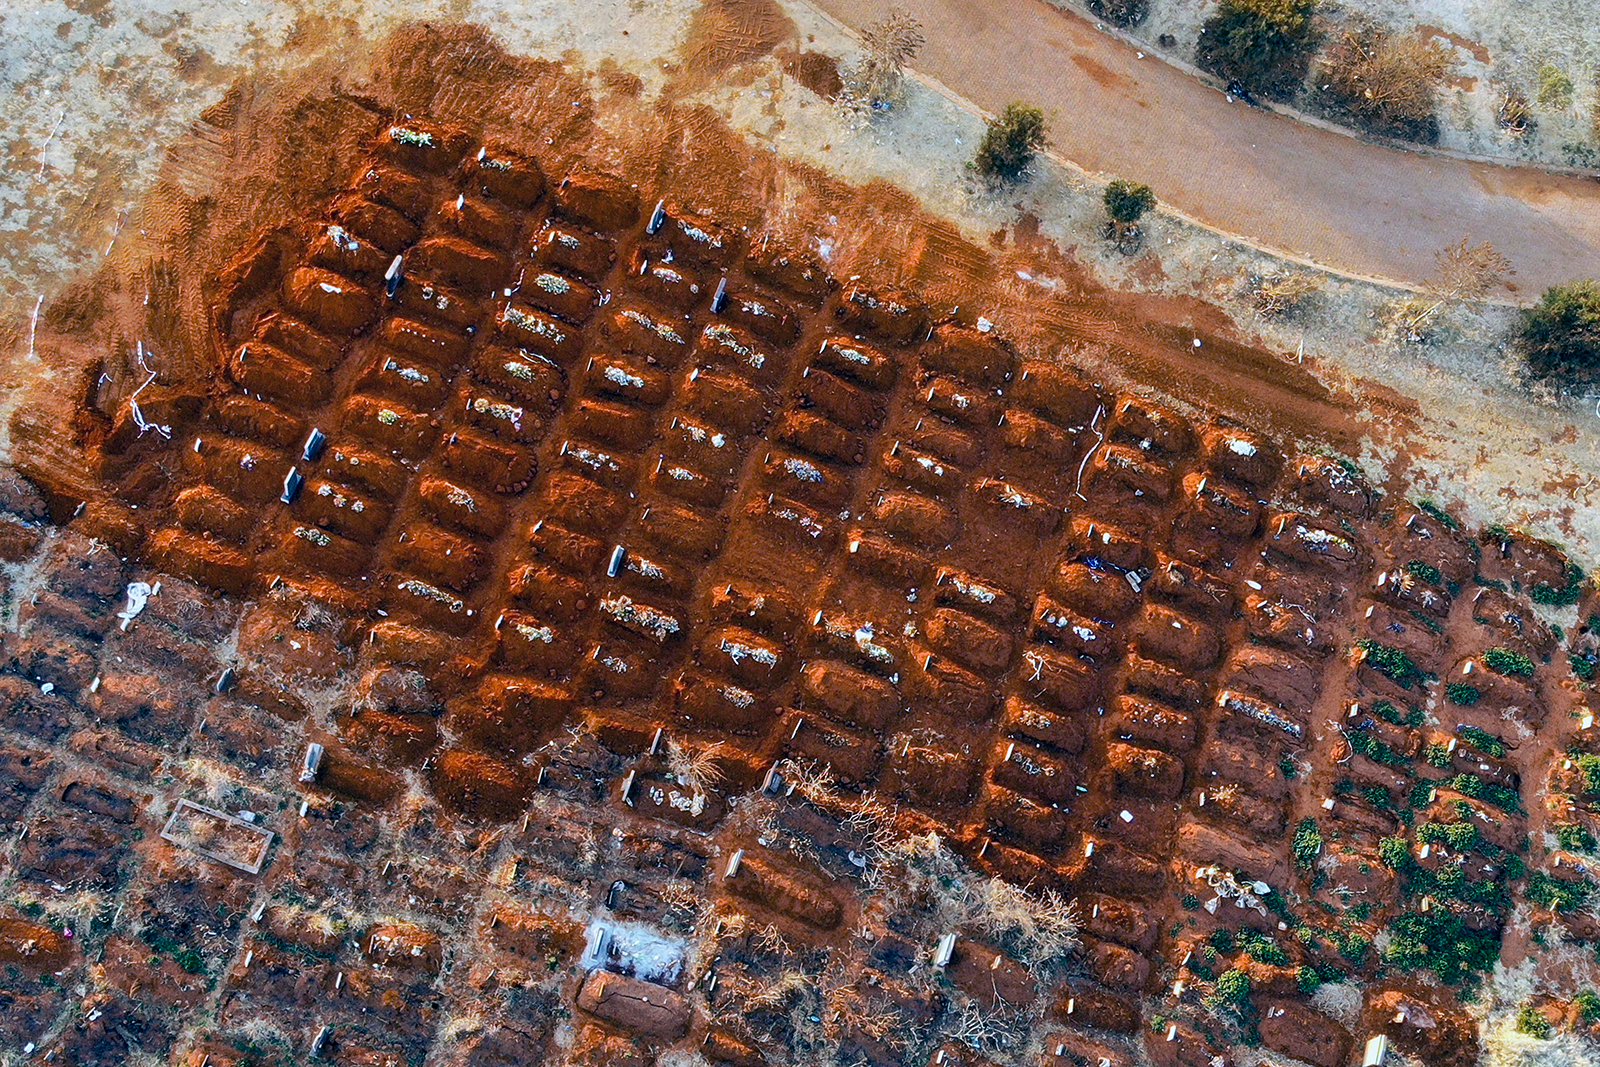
(92, 100)
(1353, 207)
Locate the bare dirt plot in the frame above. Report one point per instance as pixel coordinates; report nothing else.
(671, 479)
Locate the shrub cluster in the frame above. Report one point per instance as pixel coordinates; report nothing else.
(1436, 940)
(1483, 741)
(1507, 661)
(1560, 336)
(1391, 662)
(1264, 45)
(1307, 843)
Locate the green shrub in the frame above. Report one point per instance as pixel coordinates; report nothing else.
(1508, 661)
(1390, 662)
(1588, 765)
(1502, 796)
(1461, 835)
(1555, 88)
(1530, 1022)
(1476, 788)
(1437, 755)
(1308, 980)
(1461, 693)
(1374, 749)
(1438, 514)
(1582, 667)
(1377, 796)
(1483, 741)
(1222, 940)
(1265, 45)
(1436, 940)
(1353, 946)
(1233, 987)
(1264, 950)
(1427, 572)
(1386, 711)
(1561, 334)
(1126, 202)
(1010, 141)
(1307, 843)
(1449, 880)
(1557, 894)
(1588, 1004)
(1575, 838)
(1394, 853)
(1288, 767)
(1569, 593)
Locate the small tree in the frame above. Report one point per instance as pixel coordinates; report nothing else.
(1389, 81)
(890, 45)
(1264, 45)
(1010, 142)
(1126, 202)
(1561, 334)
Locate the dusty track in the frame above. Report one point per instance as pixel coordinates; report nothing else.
(1281, 185)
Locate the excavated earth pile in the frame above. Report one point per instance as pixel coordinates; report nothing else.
(528, 548)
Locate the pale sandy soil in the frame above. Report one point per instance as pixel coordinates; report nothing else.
(1497, 43)
(129, 79)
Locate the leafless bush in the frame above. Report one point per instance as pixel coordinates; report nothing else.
(849, 1008)
(1466, 271)
(770, 939)
(1514, 114)
(986, 1030)
(695, 768)
(1037, 927)
(1409, 318)
(1390, 81)
(1279, 294)
(911, 867)
(684, 902)
(774, 994)
(866, 816)
(878, 79)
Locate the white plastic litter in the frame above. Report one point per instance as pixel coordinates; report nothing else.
(133, 404)
(139, 594)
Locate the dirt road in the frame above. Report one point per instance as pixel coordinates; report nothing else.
(1286, 186)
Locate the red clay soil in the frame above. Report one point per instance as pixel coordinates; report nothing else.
(664, 470)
